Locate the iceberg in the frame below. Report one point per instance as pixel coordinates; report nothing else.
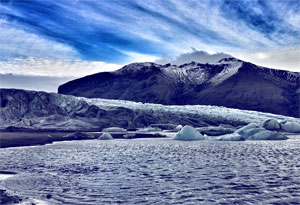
(105, 136)
(229, 137)
(149, 129)
(188, 133)
(267, 135)
(253, 131)
(114, 129)
(291, 127)
(178, 128)
(246, 131)
(215, 131)
(271, 124)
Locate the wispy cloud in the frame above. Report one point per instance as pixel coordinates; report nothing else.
(118, 31)
(54, 67)
(195, 55)
(287, 58)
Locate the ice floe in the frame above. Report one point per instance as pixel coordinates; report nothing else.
(188, 133)
(292, 127)
(105, 136)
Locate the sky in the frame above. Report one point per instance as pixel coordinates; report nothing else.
(79, 37)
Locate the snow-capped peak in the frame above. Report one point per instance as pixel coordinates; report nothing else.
(193, 72)
(134, 67)
(229, 60)
(232, 66)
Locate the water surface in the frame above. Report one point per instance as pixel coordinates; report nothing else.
(156, 171)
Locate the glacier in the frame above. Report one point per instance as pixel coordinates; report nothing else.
(41, 110)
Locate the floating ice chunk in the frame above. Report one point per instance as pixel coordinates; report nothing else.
(215, 131)
(178, 128)
(292, 127)
(188, 133)
(229, 137)
(267, 135)
(149, 129)
(254, 132)
(129, 136)
(244, 131)
(105, 136)
(271, 124)
(114, 129)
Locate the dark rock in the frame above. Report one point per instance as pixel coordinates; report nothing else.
(6, 198)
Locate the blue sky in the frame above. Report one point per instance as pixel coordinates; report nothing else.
(74, 36)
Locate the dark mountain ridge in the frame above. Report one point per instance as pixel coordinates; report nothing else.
(229, 82)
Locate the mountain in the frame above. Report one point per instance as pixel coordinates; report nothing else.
(229, 82)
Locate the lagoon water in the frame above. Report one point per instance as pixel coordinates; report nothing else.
(156, 171)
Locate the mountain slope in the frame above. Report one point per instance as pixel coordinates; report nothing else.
(230, 83)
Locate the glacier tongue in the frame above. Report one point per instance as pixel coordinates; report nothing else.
(40, 110)
(214, 113)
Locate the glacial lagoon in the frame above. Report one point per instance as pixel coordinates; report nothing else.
(155, 171)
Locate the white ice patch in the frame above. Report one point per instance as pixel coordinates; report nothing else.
(114, 129)
(226, 73)
(149, 129)
(188, 133)
(178, 128)
(254, 132)
(228, 137)
(105, 136)
(291, 127)
(267, 135)
(248, 132)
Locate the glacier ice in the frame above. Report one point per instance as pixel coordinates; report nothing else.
(114, 129)
(215, 131)
(228, 137)
(149, 129)
(291, 127)
(271, 124)
(188, 133)
(267, 135)
(209, 112)
(244, 131)
(178, 128)
(105, 136)
(63, 112)
(253, 131)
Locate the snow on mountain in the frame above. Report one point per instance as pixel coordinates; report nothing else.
(194, 73)
(229, 82)
(231, 68)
